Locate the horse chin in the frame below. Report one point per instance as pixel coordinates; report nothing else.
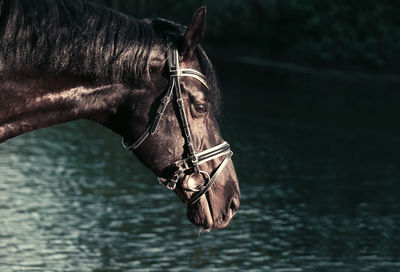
(200, 215)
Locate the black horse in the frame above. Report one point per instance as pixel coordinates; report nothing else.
(147, 80)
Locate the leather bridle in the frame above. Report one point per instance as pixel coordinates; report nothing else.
(191, 164)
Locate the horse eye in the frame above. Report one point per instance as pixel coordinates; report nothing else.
(200, 108)
(153, 69)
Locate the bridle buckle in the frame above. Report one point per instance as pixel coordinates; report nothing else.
(171, 185)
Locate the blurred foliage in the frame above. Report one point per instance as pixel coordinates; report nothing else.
(359, 33)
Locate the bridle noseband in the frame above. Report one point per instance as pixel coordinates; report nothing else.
(189, 165)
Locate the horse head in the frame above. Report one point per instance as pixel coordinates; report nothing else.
(174, 130)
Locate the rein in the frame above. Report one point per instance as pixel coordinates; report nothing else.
(188, 166)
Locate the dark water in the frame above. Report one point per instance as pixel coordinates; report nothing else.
(318, 161)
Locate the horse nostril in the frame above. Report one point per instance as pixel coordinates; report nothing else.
(235, 202)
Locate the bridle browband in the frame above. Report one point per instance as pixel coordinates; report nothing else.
(190, 164)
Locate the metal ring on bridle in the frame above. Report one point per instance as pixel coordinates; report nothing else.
(204, 175)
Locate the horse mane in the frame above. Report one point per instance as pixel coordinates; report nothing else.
(75, 36)
(82, 38)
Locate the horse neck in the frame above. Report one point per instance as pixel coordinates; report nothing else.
(40, 101)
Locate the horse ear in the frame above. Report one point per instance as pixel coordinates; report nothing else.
(194, 33)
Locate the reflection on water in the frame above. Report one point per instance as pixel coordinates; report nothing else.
(319, 190)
